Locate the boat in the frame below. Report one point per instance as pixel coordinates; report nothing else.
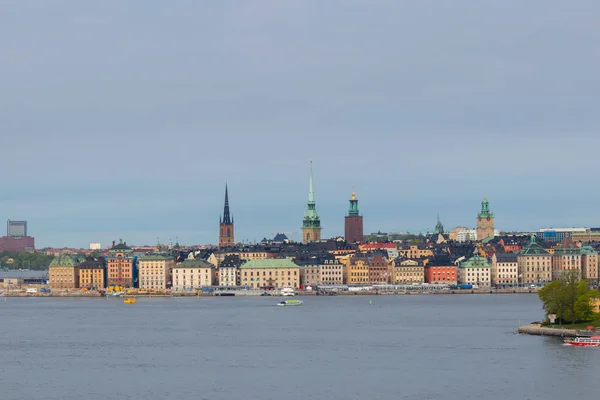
(130, 301)
(292, 302)
(582, 341)
(287, 291)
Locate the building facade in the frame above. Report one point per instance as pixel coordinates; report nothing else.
(311, 224)
(505, 269)
(229, 271)
(64, 272)
(16, 228)
(379, 270)
(332, 272)
(485, 221)
(534, 264)
(192, 274)
(353, 224)
(121, 266)
(408, 272)
(475, 271)
(270, 273)
(440, 273)
(226, 231)
(356, 271)
(566, 256)
(589, 264)
(155, 271)
(92, 274)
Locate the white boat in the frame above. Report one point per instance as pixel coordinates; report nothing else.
(288, 303)
(287, 291)
(593, 341)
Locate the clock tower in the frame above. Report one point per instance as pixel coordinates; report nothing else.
(485, 221)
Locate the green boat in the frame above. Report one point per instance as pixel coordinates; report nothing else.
(288, 303)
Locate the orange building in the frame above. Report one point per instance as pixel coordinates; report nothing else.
(91, 274)
(379, 270)
(121, 266)
(441, 274)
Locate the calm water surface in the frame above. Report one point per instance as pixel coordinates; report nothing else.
(400, 347)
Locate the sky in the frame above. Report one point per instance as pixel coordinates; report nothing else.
(126, 119)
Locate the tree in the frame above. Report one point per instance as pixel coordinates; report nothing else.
(569, 298)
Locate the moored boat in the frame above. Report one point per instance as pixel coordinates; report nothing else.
(287, 291)
(582, 341)
(287, 303)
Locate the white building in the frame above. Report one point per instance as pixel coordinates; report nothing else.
(155, 271)
(475, 271)
(192, 275)
(466, 235)
(229, 271)
(505, 268)
(95, 246)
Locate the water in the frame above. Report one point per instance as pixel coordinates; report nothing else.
(399, 347)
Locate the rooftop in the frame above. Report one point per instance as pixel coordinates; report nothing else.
(270, 263)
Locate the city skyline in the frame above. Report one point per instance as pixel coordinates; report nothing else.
(114, 128)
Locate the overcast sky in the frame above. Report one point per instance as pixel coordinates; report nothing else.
(125, 119)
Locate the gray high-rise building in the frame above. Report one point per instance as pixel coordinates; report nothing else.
(16, 228)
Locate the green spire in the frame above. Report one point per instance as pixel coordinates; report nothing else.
(353, 205)
(485, 209)
(311, 218)
(439, 228)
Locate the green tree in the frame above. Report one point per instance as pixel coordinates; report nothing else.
(569, 298)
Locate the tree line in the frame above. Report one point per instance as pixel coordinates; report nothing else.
(25, 260)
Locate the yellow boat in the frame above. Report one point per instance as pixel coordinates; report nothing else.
(129, 301)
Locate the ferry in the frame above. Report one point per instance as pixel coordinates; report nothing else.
(287, 291)
(287, 303)
(592, 341)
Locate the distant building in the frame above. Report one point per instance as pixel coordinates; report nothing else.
(466, 235)
(566, 256)
(534, 263)
(475, 271)
(504, 269)
(121, 266)
(557, 235)
(92, 273)
(439, 228)
(441, 272)
(379, 270)
(155, 271)
(17, 244)
(95, 246)
(192, 274)
(64, 272)
(311, 224)
(485, 221)
(229, 270)
(226, 225)
(356, 271)
(408, 272)
(589, 265)
(16, 228)
(277, 273)
(353, 225)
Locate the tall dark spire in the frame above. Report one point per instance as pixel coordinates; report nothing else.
(226, 216)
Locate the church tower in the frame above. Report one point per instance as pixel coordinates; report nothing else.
(353, 229)
(311, 224)
(485, 221)
(226, 238)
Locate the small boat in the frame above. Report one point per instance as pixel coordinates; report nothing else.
(592, 341)
(287, 291)
(286, 303)
(130, 301)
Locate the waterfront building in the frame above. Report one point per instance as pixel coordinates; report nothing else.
(505, 269)
(14, 278)
(485, 221)
(226, 231)
(155, 271)
(379, 270)
(310, 272)
(121, 266)
(229, 271)
(192, 274)
(475, 271)
(440, 270)
(356, 271)
(269, 273)
(245, 254)
(566, 256)
(353, 224)
(311, 224)
(64, 272)
(332, 272)
(589, 264)
(534, 264)
(92, 273)
(407, 272)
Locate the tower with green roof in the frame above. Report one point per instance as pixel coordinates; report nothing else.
(485, 221)
(353, 227)
(311, 224)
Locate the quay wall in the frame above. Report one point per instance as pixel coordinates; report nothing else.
(537, 329)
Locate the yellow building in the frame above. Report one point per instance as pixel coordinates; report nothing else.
(414, 251)
(356, 271)
(192, 275)
(155, 271)
(408, 272)
(277, 273)
(91, 274)
(64, 273)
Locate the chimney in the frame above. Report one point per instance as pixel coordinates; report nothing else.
(113, 244)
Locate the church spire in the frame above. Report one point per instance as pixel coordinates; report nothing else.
(226, 216)
(311, 192)
(311, 224)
